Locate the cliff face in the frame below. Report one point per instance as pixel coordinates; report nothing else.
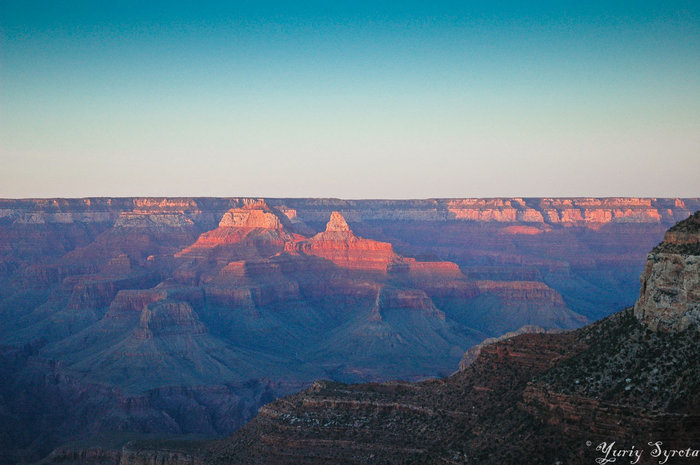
(571, 211)
(181, 316)
(529, 398)
(339, 245)
(508, 210)
(250, 231)
(472, 354)
(670, 295)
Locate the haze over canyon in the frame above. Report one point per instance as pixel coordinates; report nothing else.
(132, 318)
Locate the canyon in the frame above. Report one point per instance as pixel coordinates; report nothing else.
(527, 397)
(133, 318)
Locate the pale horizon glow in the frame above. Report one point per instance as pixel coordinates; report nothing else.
(354, 100)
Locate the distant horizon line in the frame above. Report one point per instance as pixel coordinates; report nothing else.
(572, 197)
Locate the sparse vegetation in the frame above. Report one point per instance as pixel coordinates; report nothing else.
(627, 363)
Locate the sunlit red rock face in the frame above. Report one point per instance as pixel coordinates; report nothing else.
(237, 301)
(525, 398)
(562, 211)
(339, 245)
(252, 230)
(359, 286)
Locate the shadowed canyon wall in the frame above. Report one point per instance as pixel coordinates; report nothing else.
(629, 380)
(181, 316)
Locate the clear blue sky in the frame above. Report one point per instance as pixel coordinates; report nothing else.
(349, 99)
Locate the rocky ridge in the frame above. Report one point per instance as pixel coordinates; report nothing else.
(341, 246)
(505, 210)
(670, 296)
(473, 352)
(531, 398)
(116, 324)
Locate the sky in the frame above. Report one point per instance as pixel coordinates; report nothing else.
(380, 99)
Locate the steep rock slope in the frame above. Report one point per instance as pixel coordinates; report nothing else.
(117, 324)
(252, 230)
(670, 296)
(181, 343)
(533, 398)
(339, 245)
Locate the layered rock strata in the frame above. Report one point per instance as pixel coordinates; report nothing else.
(670, 296)
(114, 314)
(531, 398)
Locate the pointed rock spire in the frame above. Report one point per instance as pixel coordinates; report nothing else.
(337, 223)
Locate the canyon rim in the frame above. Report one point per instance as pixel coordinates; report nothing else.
(178, 319)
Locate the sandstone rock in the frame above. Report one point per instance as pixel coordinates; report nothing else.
(168, 318)
(669, 299)
(152, 220)
(255, 225)
(521, 290)
(254, 216)
(528, 230)
(389, 297)
(93, 292)
(337, 223)
(129, 301)
(499, 409)
(339, 245)
(259, 285)
(473, 352)
(229, 297)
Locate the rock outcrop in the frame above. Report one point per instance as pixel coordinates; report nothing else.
(252, 216)
(242, 233)
(168, 318)
(670, 296)
(410, 299)
(519, 290)
(531, 211)
(473, 352)
(339, 245)
(129, 315)
(528, 398)
(337, 224)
